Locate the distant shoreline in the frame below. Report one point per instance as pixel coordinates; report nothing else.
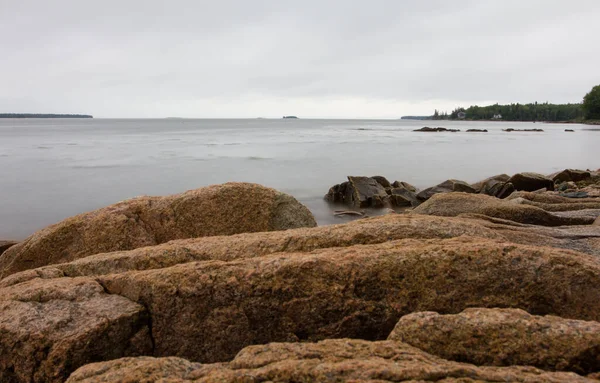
(41, 115)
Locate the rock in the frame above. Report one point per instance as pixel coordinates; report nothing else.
(446, 187)
(48, 328)
(225, 209)
(438, 129)
(478, 186)
(569, 130)
(209, 311)
(597, 222)
(454, 204)
(522, 130)
(4, 245)
(553, 202)
(403, 197)
(405, 185)
(573, 175)
(335, 360)
(505, 337)
(578, 194)
(382, 181)
(359, 192)
(477, 130)
(592, 214)
(531, 182)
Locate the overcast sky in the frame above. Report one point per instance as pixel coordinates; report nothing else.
(351, 58)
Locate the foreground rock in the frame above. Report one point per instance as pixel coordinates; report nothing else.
(208, 311)
(49, 328)
(336, 360)
(447, 186)
(145, 221)
(454, 204)
(531, 182)
(5, 245)
(505, 337)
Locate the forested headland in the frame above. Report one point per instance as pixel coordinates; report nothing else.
(516, 112)
(35, 115)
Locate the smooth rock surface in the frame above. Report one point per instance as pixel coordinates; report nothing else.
(505, 337)
(531, 181)
(336, 360)
(214, 210)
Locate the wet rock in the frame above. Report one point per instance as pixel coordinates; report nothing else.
(405, 185)
(569, 130)
(578, 194)
(335, 360)
(454, 204)
(573, 175)
(531, 182)
(477, 130)
(446, 187)
(382, 181)
(402, 197)
(522, 130)
(225, 209)
(505, 337)
(359, 192)
(4, 245)
(438, 129)
(48, 328)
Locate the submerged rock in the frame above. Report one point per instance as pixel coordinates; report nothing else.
(505, 337)
(531, 182)
(335, 360)
(225, 209)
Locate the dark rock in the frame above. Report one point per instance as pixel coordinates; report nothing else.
(573, 175)
(403, 197)
(382, 181)
(522, 130)
(360, 192)
(405, 185)
(569, 130)
(446, 187)
(478, 186)
(531, 181)
(477, 130)
(438, 129)
(5, 245)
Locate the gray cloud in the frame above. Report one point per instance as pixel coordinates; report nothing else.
(312, 58)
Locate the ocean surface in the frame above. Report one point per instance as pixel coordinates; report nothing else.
(51, 169)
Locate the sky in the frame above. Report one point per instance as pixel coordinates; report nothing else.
(313, 59)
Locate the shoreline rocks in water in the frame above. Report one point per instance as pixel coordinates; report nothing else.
(438, 129)
(522, 130)
(510, 286)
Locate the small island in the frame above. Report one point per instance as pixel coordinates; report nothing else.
(35, 115)
(290, 117)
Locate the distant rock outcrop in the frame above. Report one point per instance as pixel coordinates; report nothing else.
(438, 129)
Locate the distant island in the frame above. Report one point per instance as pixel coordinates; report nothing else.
(290, 117)
(36, 115)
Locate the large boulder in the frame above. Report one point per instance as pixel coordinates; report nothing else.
(447, 186)
(571, 175)
(454, 204)
(531, 182)
(335, 360)
(505, 337)
(225, 209)
(401, 196)
(359, 192)
(4, 245)
(478, 186)
(208, 311)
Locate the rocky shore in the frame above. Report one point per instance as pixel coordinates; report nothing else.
(497, 281)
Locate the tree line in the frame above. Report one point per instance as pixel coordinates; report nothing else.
(517, 112)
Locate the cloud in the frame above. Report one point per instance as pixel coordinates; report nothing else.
(311, 58)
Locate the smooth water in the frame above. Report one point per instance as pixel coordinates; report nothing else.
(51, 169)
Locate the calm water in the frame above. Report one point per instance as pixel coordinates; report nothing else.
(52, 169)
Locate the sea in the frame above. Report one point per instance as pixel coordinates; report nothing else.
(51, 169)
